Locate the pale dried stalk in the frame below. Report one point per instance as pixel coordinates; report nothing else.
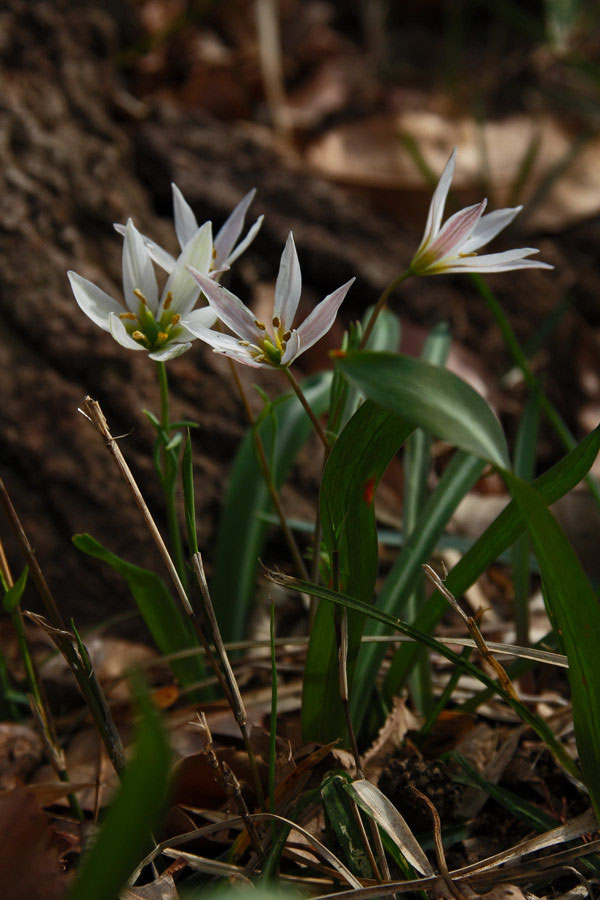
(476, 634)
(92, 411)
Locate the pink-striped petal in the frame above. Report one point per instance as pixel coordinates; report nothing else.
(494, 262)
(321, 319)
(438, 202)
(229, 309)
(455, 232)
(288, 286)
(232, 228)
(488, 227)
(243, 245)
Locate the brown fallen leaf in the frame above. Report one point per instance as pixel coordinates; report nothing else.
(20, 753)
(30, 866)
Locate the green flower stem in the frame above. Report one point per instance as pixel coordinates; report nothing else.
(315, 422)
(266, 473)
(383, 299)
(169, 479)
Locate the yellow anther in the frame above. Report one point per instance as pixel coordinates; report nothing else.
(161, 337)
(260, 325)
(286, 336)
(244, 343)
(276, 321)
(260, 358)
(140, 296)
(138, 336)
(168, 300)
(176, 319)
(214, 253)
(131, 316)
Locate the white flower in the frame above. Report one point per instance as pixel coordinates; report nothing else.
(224, 249)
(453, 246)
(159, 326)
(254, 344)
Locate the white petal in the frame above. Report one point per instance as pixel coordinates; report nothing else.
(488, 227)
(438, 202)
(495, 262)
(229, 308)
(170, 351)
(95, 303)
(137, 271)
(205, 316)
(243, 245)
(184, 289)
(321, 318)
(456, 231)
(119, 332)
(289, 285)
(185, 220)
(216, 339)
(292, 349)
(244, 357)
(157, 253)
(231, 230)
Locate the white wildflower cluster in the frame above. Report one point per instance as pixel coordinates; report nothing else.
(165, 326)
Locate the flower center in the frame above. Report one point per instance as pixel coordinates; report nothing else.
(148, 331)
(272, 347)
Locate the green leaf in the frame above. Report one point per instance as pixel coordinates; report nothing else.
(458, 478)
(241, 533)
(355, 465)
(575, 609)
(341, 823)
(421, 637)
(500, 535)
(125, 833)
(169, 628)
(431, 398)
(12, 597)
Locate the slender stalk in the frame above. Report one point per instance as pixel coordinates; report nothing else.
(315, 422)
(273, 728)
(237, 703)
(169, 479)
(266, 473)
(383, 299)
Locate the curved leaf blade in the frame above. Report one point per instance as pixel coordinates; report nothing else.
(431, 398)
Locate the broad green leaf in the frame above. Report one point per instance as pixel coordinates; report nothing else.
(12, 597)
(170, 629)
(500, 535)
(421, 637)
(431, 398)
(126, 830)
(575, 609)
(458, 478)
(356, 463)
(241, 532)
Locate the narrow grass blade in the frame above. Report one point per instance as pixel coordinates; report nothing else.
(431, 398)
(241, 532)
(125, 833)
(524, 465)
(12, 597)
(187, 476)
(169, 629)
(357, 461)
(500, 535)
(416, 469)
(377, 805)
(538, 724)
(574, 607)
(458, 478)
(342, 825)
